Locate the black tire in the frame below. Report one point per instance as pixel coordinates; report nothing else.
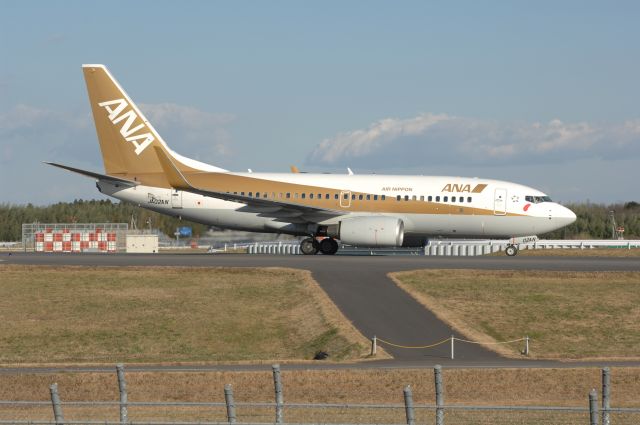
(328, 246)
(511, 250)
(309, 246)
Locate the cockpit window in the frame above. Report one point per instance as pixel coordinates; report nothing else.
(537, 199)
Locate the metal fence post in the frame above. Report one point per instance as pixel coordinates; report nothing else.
(57, 406)
(408, 405)
(277, 383)
(526, 345)
(122, 386)
(437, 371)
(452, 352)
(374, 345)
(606, 394)
(231, 407)
(593, 407)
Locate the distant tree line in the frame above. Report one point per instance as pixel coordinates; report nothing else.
(593, 222)
(103, 211)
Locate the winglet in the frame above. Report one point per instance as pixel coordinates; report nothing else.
(294, 169)
(175, 178)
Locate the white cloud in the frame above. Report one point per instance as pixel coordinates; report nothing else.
(27, 132)
(191, 131)
(431, 139)
(30, 135)
(365, 142)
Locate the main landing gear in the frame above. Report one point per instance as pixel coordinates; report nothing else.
(511, 250)
(311, 246)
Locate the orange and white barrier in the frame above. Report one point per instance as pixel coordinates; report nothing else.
(67, 241)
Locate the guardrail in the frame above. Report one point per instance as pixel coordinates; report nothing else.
(449, 247)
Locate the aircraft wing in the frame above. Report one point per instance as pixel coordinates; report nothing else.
(97, 176)
(285, 211)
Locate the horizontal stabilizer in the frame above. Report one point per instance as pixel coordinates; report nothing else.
(97, 176)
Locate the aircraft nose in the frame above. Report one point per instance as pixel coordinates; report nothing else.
(564, 215)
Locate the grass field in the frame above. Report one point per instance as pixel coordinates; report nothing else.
(167, 314)
(544, 387)
(568, 315)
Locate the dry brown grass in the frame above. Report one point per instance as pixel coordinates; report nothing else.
(568, 315)
(551, 387)
(167, 314)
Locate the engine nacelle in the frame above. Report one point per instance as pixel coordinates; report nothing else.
(370, 231)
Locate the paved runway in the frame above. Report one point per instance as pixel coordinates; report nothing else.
(359, 286)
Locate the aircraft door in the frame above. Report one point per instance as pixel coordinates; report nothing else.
(500, 202)
(345, 198)
(176, 199)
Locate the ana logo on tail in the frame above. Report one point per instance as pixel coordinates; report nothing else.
(129, 118)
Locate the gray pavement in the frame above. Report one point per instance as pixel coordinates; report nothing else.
(359, 286)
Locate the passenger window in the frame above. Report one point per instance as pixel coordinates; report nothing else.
(437, 199)
(446, 199)
(375, 197)
(469, 199)
(406, 197)
(319, 195)
(368, 197)
(250, 194)
(310, 196)
(295, 195)
(461, 199)
(353, 197)
(257, 194)
(273, 195)
(280, 195)
(326, 196)
(346, 196)
(422, 198)
(430, 198)
(242, 193)
(453, 199)
(304, 195)
(398, 198)
(413, 198)
(384, 197)
(335, 196)
(360, 197)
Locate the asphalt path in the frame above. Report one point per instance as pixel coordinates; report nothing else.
(359, 286)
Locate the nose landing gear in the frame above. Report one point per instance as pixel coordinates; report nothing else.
(511, 250)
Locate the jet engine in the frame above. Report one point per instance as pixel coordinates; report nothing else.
(375, 231)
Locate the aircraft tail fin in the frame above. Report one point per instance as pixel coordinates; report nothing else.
(127, 139)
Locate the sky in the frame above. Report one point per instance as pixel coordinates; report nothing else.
(542, 93)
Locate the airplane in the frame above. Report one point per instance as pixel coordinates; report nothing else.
(363, 210)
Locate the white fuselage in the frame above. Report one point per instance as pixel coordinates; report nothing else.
(500, 209)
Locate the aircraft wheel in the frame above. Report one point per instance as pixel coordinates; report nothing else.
(309, 246)
(511, 250)
(328, 246)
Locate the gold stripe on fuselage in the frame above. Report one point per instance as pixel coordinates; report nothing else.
(275, 190)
